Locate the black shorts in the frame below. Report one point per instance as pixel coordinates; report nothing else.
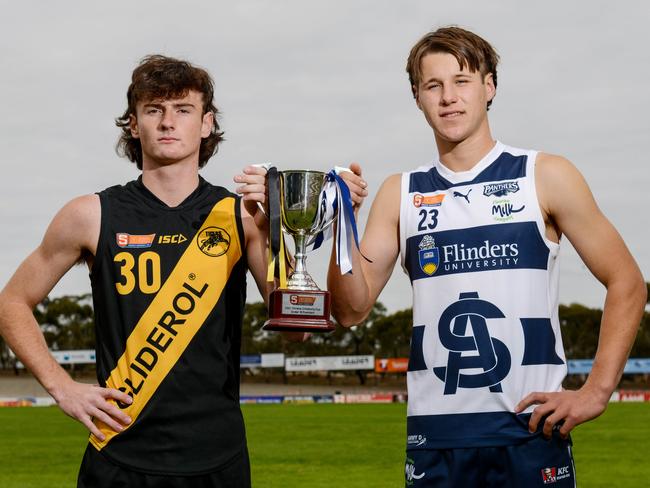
(98, 472)
(536, 463)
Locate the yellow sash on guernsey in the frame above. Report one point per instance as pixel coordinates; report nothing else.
(176, 313)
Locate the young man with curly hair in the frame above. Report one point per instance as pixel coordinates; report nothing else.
(167, 255)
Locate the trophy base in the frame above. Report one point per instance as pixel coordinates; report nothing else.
(299, 311)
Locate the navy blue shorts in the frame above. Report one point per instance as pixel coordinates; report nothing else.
(98, 472)
(536, 463)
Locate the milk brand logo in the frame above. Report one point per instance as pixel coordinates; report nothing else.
(502, 210)
(409, 472)
(463, 330)
(500, 189)
(428, 255)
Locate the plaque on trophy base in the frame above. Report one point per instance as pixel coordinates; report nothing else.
(299, 311)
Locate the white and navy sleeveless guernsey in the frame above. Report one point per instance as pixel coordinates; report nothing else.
(485, 299)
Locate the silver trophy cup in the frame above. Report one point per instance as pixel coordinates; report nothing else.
(301, 306)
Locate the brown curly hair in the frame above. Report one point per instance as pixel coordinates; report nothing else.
(468, 48)
(162, 77)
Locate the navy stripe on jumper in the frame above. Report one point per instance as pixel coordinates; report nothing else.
(505, 167)
(462, 430)
(513, 245)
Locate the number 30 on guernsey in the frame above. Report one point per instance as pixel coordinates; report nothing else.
(147, 275)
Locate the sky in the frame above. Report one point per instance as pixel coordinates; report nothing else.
(314, 84)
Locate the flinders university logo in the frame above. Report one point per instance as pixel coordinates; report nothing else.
(428, 255)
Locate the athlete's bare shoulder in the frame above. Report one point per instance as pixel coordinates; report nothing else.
(392, 182)
(557, 178)
(390, 190)
(564, 196)
(77, 225)
(553, 164)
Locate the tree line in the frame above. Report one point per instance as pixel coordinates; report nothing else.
(67, 323)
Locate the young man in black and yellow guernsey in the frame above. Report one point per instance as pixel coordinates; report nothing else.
(167, 254)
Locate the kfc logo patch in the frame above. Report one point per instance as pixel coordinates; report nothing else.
(549, 475)
(552, 475)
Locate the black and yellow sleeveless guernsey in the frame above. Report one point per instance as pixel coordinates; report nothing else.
(169, 290)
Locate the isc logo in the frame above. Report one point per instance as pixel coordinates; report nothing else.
(172, 239)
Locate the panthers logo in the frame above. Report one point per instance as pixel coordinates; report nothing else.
(213, 241)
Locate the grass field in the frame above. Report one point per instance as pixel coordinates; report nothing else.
(346, 446)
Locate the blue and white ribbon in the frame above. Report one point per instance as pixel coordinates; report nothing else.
(336, 196)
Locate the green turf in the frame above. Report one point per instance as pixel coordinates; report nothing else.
(326, 445)
(39, 447)
(614, 450)
(319, 446)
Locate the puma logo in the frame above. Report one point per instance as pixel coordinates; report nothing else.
(466, 197)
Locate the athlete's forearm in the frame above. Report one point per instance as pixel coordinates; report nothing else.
(351, 301)
(624, 305)
(22, 334)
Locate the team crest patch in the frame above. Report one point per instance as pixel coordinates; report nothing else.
(428, 255)
(500, 189)
(213, 241)
(428, 200)
(125, 240)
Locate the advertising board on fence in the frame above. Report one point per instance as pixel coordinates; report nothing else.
(632, 366)
(273, 360)
(250, 361)
(261, 360)
(632, 396)
(369, 398)
(330, 363)
(391, 365)
(76, 356)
